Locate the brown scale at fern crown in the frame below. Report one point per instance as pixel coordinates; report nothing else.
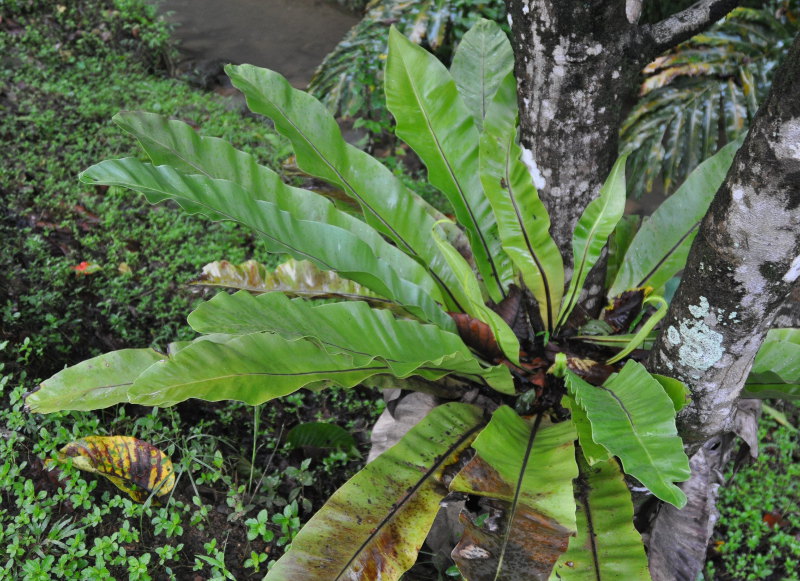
(624, 308)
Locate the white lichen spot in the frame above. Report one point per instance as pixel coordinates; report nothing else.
(773, 238)
(793, 272)
(546, 108)
(510, 20)
(701, 346)
(738, 195)
(559, 55)
(700, 311)
(525, 8)
(733, 314)
(559, 71)
(615, 75)
(594, 50)
(787, 146)
(673, 335)
(527, 159)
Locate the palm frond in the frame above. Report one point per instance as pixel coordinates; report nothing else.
(350, 79)
(702, 94)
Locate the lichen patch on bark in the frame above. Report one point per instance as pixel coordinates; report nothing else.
(787, 144)
(700, 346)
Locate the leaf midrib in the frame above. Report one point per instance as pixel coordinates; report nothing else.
(533, 253)
(411, 492)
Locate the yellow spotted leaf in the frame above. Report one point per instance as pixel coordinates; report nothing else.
(132, 465)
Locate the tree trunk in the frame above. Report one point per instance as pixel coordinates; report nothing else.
(572, 74)
(742, 267)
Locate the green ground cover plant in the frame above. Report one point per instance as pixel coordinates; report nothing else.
(756, 536)
(55, 102)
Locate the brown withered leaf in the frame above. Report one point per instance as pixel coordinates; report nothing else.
(511, 311)
(132, 465)
(590, 370)
(523, 473)
(624, 308)
(293, 277)
(533, 546)
(477, 335)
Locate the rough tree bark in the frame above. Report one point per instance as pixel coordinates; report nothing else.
(742, 267)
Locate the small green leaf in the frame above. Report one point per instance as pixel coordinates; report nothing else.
(647, 327)
(677, 391)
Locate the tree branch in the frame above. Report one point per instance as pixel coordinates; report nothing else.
(685, 24)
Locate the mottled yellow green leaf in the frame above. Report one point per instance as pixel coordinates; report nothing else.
(132, 465)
